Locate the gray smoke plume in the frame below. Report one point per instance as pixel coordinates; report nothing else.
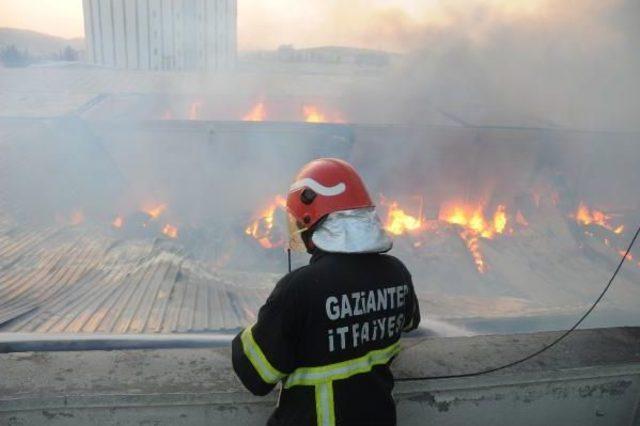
(570, 63)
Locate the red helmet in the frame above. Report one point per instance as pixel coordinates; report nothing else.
(324, 186)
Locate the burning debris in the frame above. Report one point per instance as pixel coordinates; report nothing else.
(473, 219)
(462, 230)
(262, 110)
(399, 222)
(117, 222)
(155, 210)
(170, 231)
(146, 222)
(313, 114)
(74, 218)
(586, 216)
(263, 228)
(597, 225)
(469, 221)
(472, 223)
(195, 110)
(77, 217)
(257, 113)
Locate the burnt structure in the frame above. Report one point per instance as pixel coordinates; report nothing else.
(135, 213)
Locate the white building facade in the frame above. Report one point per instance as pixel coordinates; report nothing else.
(190, 35)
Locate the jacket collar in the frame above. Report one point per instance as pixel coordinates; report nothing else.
(317, 255)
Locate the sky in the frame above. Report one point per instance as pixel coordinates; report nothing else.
(384, 24)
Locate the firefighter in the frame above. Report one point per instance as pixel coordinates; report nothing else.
(329, 330)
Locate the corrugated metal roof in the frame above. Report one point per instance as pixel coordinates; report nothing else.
(78, 279)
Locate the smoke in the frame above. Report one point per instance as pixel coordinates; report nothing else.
(363, 23)
(447, 121)
(572, 64)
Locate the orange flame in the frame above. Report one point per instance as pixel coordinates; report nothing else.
(170, 231)
(586, 216)
(312, 114)
(472, 242)
(194, 110)
(623, 254)
(629, 257)
(118, 222)
(473, 219)
(261, 229)
(398, 222)
(500, 219)
(475, 226)
(155, 211)
(77, 217)
(257, 113)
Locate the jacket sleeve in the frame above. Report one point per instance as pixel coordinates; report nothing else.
(412, 311)
(264, 353)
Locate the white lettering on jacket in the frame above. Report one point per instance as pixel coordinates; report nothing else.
(360, 303)
(333, 310)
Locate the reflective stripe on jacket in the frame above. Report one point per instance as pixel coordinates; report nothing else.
(328, 332)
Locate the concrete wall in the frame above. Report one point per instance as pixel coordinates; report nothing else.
(593, 378)
(161, 34)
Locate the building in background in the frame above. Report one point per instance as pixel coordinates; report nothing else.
(161, 34)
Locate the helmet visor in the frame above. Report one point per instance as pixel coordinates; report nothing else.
(295, 234)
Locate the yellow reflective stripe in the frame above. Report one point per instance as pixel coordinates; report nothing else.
(325, 412)
(311, 376)
(267, 372)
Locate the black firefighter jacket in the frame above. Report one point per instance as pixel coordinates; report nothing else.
(328, 332)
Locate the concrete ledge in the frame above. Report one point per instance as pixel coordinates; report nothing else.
(55, 342)
(591, 378)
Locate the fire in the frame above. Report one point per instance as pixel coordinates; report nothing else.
(586, 216)
(398, 222)
(623, 254)
(118, 222)
(475, 225)
(473, 219)
(257, 113)
(312, 114)
(628, 257)
(170, 231)
(500, 219)
(77, 217)
(471, 222)
(473, 245)
(194, 110)
(261, 229)
(155, 211)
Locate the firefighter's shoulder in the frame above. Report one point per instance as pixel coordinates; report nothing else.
(290, 284)
(397, 263)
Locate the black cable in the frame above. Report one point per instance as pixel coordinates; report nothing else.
(545, 348)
